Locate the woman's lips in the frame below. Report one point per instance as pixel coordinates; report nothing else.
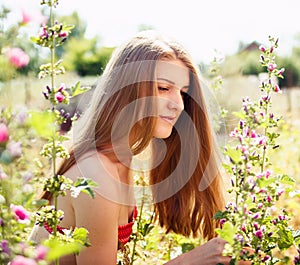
(169, 119)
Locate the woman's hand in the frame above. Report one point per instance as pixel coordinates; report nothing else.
(209, 253)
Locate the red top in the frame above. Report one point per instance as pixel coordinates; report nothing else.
(124, 231)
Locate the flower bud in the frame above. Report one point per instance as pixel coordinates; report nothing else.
(63, 34)
(277, 89)
(59, 97)
(281, 71)
(262, 48)
(259, 234)
(271, 66)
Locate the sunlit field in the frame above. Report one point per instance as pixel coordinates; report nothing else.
(156, 247)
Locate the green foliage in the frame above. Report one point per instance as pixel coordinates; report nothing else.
(60, 248)
(10, 71)
(42, 123)
(251, 66)
(292, 70)
(85, 57)
(244, 63)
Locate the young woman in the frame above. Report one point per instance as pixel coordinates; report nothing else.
(148, 96)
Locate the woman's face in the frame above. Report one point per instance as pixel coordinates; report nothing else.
(172, 82)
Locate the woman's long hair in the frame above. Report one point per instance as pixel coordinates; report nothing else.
(129, 77)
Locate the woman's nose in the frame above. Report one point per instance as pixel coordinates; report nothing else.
(176, 101)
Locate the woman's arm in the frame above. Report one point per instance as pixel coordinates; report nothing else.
(209, 253)
(100, 217)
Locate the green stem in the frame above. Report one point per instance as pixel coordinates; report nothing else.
(138, 227)
(262, 167)
(55, 196)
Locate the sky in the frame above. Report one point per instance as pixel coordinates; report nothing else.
(203, 27)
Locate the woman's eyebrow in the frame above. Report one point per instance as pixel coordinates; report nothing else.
(171, 82)
(164, 79)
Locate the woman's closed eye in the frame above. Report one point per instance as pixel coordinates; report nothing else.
(161, 88)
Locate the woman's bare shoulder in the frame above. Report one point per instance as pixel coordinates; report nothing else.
(92, 165)
(102, 171)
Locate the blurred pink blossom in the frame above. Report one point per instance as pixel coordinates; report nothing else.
(34, 16)
(3, 133)
(14, 149)
(41, 252)
(20, 260)
(26, 17)
(21, 214)
(2, 175)
(18, 57)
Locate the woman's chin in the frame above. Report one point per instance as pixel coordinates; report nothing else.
(162, 134)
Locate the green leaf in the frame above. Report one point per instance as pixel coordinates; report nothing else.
(186, 247)
(80, 235)
(285, 239)
(42, 123)
(239, 115)
(84, 185)
(34, 40)
(228, 168)
(234, 154)
(147, 229)
(286, 179)
(77, 89)
(68, 28)
(219, 215)
(40, 203)
(227, 232)
(262, 183)
(59, 248)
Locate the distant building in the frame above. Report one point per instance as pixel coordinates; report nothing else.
(253, 46)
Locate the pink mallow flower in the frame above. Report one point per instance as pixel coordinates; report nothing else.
(18, 57)
(271, 66)
(59, 97)
(261, 140)
(21, 214)
(20, 260)
(3, 133)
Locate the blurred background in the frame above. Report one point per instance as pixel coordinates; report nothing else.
(226, 32)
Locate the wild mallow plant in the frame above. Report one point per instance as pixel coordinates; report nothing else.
(47, 123)
(17, 188)
(253, 224)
